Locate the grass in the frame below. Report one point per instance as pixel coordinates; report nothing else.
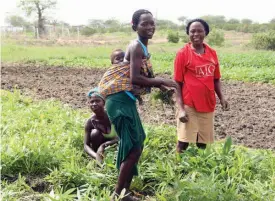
(44, 140)
(236, 63)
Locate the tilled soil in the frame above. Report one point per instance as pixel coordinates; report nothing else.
(250, 121)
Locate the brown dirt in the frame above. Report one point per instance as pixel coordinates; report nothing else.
(251, 120)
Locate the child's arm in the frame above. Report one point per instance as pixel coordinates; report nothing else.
(102, 147)
(111, 142)
(87, 140)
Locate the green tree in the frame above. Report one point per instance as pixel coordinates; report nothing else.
(88, 31)
(182, 20)
(173, 37)
(246, 21)
(112, 25)
(166, 24)
(272, 21)
(214, 20)
(264, 41)
(38, 6)
(216, 37)
(233, 21)
(96, 23)
(17, 21)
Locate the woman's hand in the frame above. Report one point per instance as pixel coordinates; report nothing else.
(224, 104)
(169, 83)
(163, 88)
(183, 116)
(99, 153)
(99, 157)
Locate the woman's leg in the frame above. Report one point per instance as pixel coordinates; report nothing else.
(182, 146)
(125, 174)
(200, 145)
(205, 134)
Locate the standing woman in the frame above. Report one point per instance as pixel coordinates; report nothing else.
(197, 71)
(118, 85)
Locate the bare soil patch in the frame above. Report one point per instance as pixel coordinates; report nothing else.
(250, 121)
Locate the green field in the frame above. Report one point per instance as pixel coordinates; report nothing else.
(43, 141)
(237, 63)
(42, 155)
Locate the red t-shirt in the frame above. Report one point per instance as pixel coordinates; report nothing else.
(197, 73)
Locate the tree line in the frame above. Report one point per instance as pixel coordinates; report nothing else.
(40, 7)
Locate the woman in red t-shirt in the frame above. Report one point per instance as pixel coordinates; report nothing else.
(197, 71)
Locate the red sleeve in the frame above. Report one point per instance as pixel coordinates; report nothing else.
(217, 73)
(179, 66)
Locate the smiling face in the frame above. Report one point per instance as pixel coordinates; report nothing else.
(196, 33)
(146, 26)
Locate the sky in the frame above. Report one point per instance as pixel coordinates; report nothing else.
(76, 12)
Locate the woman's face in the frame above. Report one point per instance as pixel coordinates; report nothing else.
(146, 26)
(96, 104)
(196, 33)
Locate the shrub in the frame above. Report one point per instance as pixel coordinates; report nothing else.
(216, 37)
(173, 37)
(88, 31)
(184, 38)
(264, 41)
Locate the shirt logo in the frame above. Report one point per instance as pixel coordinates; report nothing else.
(205, 70)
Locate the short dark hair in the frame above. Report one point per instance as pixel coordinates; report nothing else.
(204, 24)
(136, 16)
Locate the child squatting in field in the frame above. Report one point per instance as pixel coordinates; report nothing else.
(98, 131)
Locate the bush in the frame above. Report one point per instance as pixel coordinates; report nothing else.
(173, 37)
(88, 31)
(216, 37)
(184, 38)
(264, 41)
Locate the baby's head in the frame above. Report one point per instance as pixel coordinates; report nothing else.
(117, 56)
